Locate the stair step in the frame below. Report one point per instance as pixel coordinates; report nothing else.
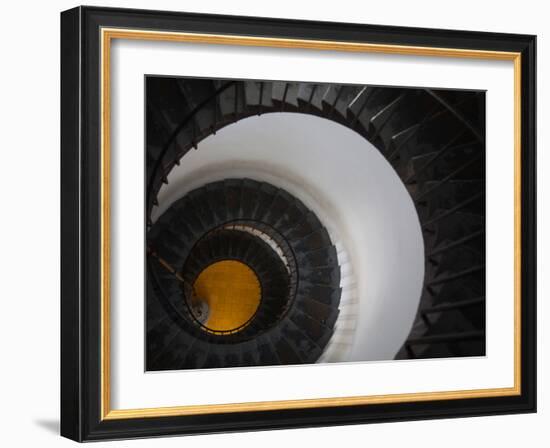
(346, 95)
(325, 256)
(232, 188)
(308, 225)
(266, 351)
(266, 194)
(285, 96)
(376, 102)
(253, 92)
(277, 208)
(446, 196)
(322, 275)
(316, 331)
(249, 197)
(358, 103)
(320, 293)
(321, 312)
(215, 195)
(285, 351)
(310, 96)
(300, 342)
(249, 353)
(318, 239)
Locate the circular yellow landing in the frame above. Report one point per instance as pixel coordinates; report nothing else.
(232, 291)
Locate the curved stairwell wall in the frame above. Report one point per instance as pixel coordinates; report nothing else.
(356, 194)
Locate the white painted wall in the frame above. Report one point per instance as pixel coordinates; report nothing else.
(355, 193)
(29, 83)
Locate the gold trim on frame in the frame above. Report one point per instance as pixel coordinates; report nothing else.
(107, 34)
(105, 165)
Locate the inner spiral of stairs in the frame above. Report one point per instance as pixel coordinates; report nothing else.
(285, 256)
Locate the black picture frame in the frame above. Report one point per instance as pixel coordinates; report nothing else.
(81, 379)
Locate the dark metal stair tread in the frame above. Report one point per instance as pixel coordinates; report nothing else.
(266, 351)
(292, 216)
(310, 95)
(325, 256)
(306, 227)
(339, 108)
(196, 354)
(473, 205)
(284, 95)
(318, 239)
(174, 346)
(266, 193)
(315, 330)
(277, 208)
(326, 275)
(232, 188)
(253, 91)
(249, 197)
(249, 350)
(300, 342)
(396, 119)
(203, 207)
(454, 183)
(469, 241)
(320, 293)
(459, 258)
(376, 104)
(326, 314)
(215, 195)
(359, 102)
(185, 211)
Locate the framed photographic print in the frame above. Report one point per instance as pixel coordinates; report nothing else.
(273, 224)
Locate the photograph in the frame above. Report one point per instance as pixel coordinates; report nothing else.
(260, 222)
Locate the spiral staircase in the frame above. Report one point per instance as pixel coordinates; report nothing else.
(433, 139)
(300, 289)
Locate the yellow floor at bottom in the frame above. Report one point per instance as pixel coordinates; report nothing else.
(232, 291)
